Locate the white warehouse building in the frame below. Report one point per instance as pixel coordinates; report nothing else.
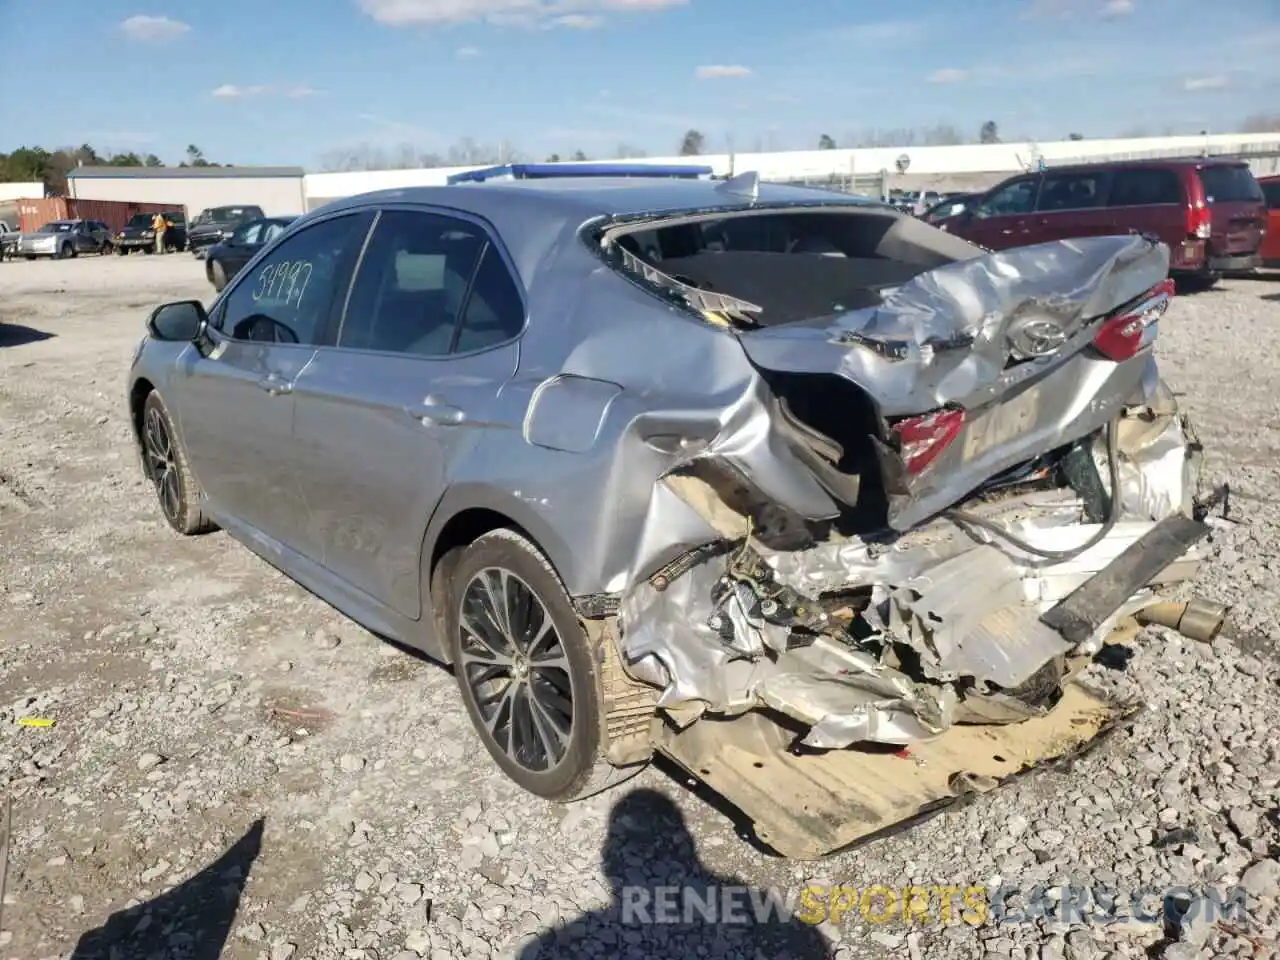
(277, 190)
(965, 167)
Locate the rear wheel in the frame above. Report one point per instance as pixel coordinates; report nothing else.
(524, 665)
(165, 464)
(121, 251)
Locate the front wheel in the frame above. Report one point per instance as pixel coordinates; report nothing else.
(524, 665)
(217, 275)
(66, 252)
(121, 251)
(165, 464)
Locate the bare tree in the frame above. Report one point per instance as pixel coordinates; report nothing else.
(989, 133)
(1075, 136)
(941, 135)
(692, 144)
(579, 155)
(1261, 123)
(826, 143)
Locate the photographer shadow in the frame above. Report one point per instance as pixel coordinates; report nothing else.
(193, 920)
(667, 903)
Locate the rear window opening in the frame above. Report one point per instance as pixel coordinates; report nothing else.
(787, 265)
(1229, 184)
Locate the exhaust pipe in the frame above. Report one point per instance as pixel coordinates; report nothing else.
(1199, 619)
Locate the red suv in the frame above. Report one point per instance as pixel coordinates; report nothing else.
(1271, 243)
(1210, 212)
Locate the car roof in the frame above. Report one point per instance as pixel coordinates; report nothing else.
(532, 215)
(1164, 162)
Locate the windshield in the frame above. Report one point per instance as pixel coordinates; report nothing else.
(139, 220)
(57, 226)
(1227, 184)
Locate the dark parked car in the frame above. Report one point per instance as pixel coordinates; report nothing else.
(218, 223)
(1209, 212)
(223, 260)
(770, 480)
(138, 233)
(65, 238)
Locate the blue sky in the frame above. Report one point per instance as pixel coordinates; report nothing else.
(290, 81)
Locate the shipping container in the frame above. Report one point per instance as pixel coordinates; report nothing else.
(34, 213)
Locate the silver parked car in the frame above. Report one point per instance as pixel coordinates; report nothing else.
(65, 238)
(779, 482)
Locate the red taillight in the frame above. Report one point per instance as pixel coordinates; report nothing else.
(1199, 220)
(1122, 336)
(922, 439)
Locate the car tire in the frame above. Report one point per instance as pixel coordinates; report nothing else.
(121, 251)
(561, 759)
(1196, 282)
(165, 465)
(217, 275)
(66, 252)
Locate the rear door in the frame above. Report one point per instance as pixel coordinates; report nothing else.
(1237, 208)
(1001, 219)
(426, 344)
(1149, 200)
(1271, 241)
(1072, 204)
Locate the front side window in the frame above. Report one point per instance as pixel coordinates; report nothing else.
(247, 233)
(1012, 198)
(1072, 191)
(412, 284)
(1271, 191)
(289, 295)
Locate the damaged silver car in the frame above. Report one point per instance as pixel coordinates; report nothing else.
(826, 504)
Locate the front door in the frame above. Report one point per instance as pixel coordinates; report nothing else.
(428, 340)
(1001, 219)
(236, 404)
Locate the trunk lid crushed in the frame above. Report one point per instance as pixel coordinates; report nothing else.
(897, 635)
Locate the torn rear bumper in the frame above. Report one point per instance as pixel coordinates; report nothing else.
(805, 805)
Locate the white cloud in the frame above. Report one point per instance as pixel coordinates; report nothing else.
(579, 21)
(722, 71)
(947, 75)
(1109, 9)
(302, 92)
(1205, 83)
(577, 14)
(147, 29)
(466, 53)
(229, 91)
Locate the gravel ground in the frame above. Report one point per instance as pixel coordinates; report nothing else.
(234, 769)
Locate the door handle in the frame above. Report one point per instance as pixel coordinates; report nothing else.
(275, 385)
(435, 411)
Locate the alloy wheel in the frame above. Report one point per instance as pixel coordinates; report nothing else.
(514, 663)
(161, 465)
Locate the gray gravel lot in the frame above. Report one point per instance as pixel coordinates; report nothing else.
(221, 737)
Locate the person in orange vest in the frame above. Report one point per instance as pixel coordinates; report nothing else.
(159, 224)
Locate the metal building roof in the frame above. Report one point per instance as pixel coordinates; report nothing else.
(181, 173)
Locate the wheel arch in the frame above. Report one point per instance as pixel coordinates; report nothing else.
(463, 516)
(138, 393)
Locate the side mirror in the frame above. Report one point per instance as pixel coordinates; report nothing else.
(182, 321)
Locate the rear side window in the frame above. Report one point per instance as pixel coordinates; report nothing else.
(494, 312)
(1229, 184)
(1272, 193)
(412, 284)
(1144, 188)
(1072, 191)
